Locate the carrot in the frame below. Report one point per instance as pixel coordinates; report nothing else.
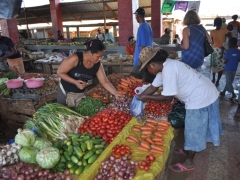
(145, 128)
(124, 84)
(124, 80)
(135, 129)
(159, 129)
(156, 151)
(139, 80)
(162, 124)
(134, 138)
(166, 122)
(144, 136)
(157, 139)
(146, 132)
(145, 144)
(151, 121)
(149, 140)
(141, 148)
(156, 148)
(159, 143)
(151, 125)
(130, 140)
(158, 134)
(137, 126)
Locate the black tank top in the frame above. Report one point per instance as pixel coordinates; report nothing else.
(80, 72)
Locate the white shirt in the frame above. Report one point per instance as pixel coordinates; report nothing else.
(186, 84)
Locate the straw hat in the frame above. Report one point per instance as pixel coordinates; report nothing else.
(147, 54)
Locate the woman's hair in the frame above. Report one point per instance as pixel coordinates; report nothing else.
(160, 56)
(95, 46)
(232, 42)
(217, 22)
(176, 36)
(191, 17)
(230, 27)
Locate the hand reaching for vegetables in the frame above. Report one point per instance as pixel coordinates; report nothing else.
(143, 98)
(118, 96)
(80, 84)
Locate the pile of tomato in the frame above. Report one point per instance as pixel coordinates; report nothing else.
(146, 164)
(121, 150)
(106, 124)
(158, 109)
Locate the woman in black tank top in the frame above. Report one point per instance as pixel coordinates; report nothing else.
(77, 69)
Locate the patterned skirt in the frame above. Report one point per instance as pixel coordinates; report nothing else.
(217, 64)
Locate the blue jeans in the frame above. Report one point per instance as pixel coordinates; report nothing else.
(230, 75)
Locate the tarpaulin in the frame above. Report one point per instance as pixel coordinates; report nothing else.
(194, 5)
(137, 155)
(10, 8)
(181, 5)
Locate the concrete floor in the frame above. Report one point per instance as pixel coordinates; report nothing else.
(215, 163)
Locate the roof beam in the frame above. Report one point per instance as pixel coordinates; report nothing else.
(40, 18)
(35, 9)
(85, 4)
(110, 9)
(75, 17)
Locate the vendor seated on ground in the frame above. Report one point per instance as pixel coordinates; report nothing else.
(109, 37)
(76, 70)
(165, 39)
(130, 48)
(202, 120)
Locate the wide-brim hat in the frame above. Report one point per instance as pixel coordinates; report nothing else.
(147, 54)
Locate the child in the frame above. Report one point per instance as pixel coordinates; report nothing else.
(232, 57)
(228, 36)
(176, 40)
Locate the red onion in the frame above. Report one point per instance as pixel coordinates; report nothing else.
(40, 173)
(20, 177)
(5, 175)
(14, 175)
(27, 177)
(68, 177)
(67, 172)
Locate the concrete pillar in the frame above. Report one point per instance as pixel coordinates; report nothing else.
(156, 17)
(67, 31)
(115, 31)
(78, 32)
(128, 25)
(9, 29)
(56, 17)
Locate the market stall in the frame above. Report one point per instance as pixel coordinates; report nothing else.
(98, 139)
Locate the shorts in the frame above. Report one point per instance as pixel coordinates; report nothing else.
(16, 65)
(201, 126)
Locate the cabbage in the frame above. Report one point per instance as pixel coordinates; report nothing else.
(25, 137)
(28, 154)
(48, 157)
(41, 143)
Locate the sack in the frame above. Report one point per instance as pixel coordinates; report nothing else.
(207, 48)
(136, 107)
(177, 115)
(73, 99)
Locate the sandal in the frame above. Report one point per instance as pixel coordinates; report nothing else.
(181, 168)
(179, 151)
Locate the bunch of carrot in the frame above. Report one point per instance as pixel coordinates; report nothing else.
(151, 134)
(128, 85)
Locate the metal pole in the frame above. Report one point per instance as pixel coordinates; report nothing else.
(104, 11)
(29, 35)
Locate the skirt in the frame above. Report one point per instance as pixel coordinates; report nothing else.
(217, 64)
(201, 126)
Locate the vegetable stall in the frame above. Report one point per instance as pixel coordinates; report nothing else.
(99, 139)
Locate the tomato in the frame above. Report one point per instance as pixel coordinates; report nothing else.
(144, 163)
(151, 157)
(141, 167)
(146, 168)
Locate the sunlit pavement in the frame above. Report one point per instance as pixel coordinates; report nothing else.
(215, 163)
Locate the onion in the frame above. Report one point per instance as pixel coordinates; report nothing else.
(99, 176)
(26, 172)
(14, 175)
(67, 172)
(40, 173)
(63, 176)
(27, 177)
(5, 175)
(50, 176)
(20, 177)
(120, 173)
(68, 177)
(124, 158)
(136, 163)
(112, 158)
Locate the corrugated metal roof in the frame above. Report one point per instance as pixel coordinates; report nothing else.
(83, 10)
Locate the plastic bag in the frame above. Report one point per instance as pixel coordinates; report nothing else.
(136, 107)
(139, 90)
(177, 115)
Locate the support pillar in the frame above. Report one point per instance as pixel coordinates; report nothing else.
(156, 17)
(127, 22)
(9, 29)
(115, 31)
(78, 32)
(56, 17)
(67, 31)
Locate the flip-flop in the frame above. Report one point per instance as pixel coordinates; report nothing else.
(181, 168)
(179, 151)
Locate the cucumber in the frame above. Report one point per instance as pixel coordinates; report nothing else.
(89, 144)
(93, 158)
(88, 154)
(75, 143)
(68, 143)
(84, 162)
(80, 163)
(78, 151)
(86, 167)
(73, 135)
(74, 159)
(84, 138)
(99, 151)
(58, 144)
(70, 150)
(70, 165)
(83, 146)
(103, 143)
(73, 169)
(63, 159)
(96, 141)
(79, 170)
(99, 146)
(66, 155)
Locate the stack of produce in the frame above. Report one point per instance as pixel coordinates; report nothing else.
(78, 153)
(128, 85)
(89, 106)
(4, 91)
(157, 109)
(47, 87)
(151, 136)
(100, 92)
(53, 121)
(106, 124)
(37, 75)
(121, 105)
(8, 154)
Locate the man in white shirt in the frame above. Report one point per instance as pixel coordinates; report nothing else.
(100, 35)
(202, 121)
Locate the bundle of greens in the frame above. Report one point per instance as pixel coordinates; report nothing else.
(4, 91)
(10, 75)
(54, 121)
(89, 106)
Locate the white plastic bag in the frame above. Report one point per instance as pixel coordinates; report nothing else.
(139, 90)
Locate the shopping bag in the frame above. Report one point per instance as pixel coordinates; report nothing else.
(177, 115)
(136, 107)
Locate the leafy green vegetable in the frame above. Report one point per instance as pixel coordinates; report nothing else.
(41, 143)
(28, 154)
(10, 75)
(25, 137)
(3, 80)
(48, 157)
(89, 106)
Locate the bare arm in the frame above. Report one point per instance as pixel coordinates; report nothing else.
(186, 34)
(209, 38)
(105, 83)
